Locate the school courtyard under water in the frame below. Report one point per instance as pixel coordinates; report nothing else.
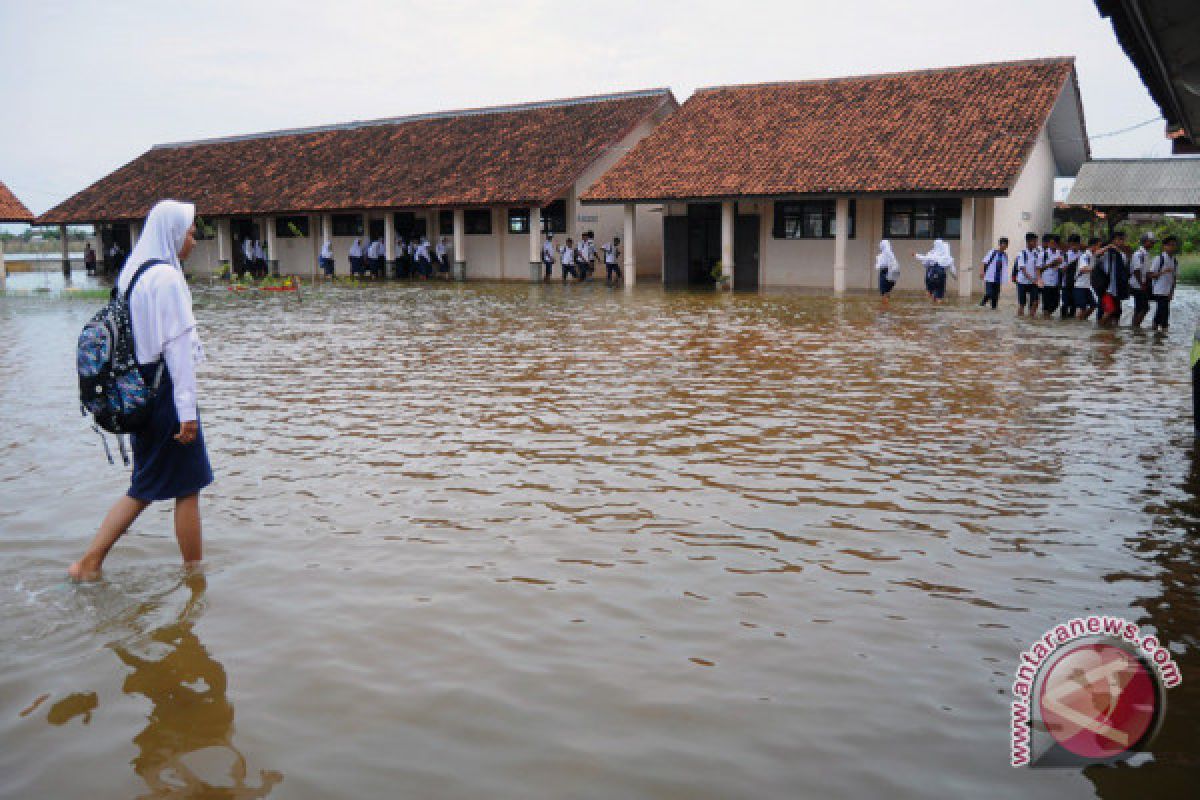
(517, 541)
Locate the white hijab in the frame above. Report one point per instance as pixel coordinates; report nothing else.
(356, 248)
(939, 254)
(887, 258)
(162, 237)
(327, 249)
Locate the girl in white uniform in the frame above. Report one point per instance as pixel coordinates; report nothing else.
(888, 268)
(938, 262)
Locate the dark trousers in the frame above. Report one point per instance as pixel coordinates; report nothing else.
(569, 269)
(549, 268)
(611, 270)
(991, 293)
(1162, 310)
(1068, 300)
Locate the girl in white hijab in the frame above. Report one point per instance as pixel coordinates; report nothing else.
(327, 257)
(356, 254)
(937, 262)
(169, 457)
(889, 269)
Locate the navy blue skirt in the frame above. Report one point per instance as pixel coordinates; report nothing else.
(164, 469)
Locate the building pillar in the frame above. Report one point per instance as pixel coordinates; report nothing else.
(629, 251)
(66, 251)
(535, 244)
(460, 245)
(841, 234)
(727, 266)
(966, 248)
(3, 268)
(272, 246)
(389, 244)
(135, 232)
(223, 253)
(327, 233)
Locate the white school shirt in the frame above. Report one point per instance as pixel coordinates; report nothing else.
(258, 250)
(1164, 284)
(440, 250)
(996, 264)
(548, 251)
(1083, 269)
(610, 253)
(247, 250)
(160, 312)
(423, 251)
(1027, 262)
(1050, 274)
(1137, 269)
(567, 255)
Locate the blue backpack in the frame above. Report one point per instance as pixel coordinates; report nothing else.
(111, 387)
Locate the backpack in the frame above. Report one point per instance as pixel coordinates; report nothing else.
(111, 387)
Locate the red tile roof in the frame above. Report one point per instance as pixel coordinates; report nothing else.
(939, 130)
(12, 209)
(526, 154)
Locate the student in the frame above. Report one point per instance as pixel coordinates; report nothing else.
(424, 260)
(612, 262)
(566, 256)
(356, 257)
(326, 259)
(440, 252)
(548, 251)
(1048, 271)
(937, 262)
(1139, 281)
(588, 252)
(248, 264)
(260, 260)
(889, 269)
(995, 266)
(1085, 299)
(89, 259)
(1111, 270)
(1025, 268)
(1163, 272)
(170, 461)
(1067, 278)
(375, 254)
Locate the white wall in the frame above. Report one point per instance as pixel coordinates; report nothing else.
(1033, 194)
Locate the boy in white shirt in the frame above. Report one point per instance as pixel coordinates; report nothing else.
(548, 250)
(1026, 268)
(1085, 298)
(1163, 272)
(566, 256)
(995, 264)
(1048, 271)
(1139, 280)
(1067, 275)
(612, 264)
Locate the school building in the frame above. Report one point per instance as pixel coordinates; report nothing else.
(794, 184)
(783, 184)
(491, 180)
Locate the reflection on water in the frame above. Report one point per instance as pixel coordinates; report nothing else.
(525, 541)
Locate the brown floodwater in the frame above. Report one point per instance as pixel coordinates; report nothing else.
(523, 542)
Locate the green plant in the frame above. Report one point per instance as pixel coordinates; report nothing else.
(718, 272)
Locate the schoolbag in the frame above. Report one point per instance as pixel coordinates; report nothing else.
(111, 386)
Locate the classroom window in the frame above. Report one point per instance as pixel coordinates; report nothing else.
(408, 225)
(554, 217)
(477, 222)
(810, 219)
(445, 223)
(922, 219)
(518, 220)
(291, 227)
(347, 225)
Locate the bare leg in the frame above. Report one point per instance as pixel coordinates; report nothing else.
(187, 528)
(116, 522)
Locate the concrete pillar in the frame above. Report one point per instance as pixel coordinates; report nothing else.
(3, 268)
(966, 248)
(841, 235)
(272, 246)
(135, 232)
(727, 265)
(66, 251)
(629, 245)
(389, 244)
(460, 245)
(535, 244)
(224, 255)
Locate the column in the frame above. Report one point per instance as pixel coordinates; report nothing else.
(727, 265)
(535, 244)
(3, 269)
(389, 244)
(135, 232)
(629, 240)
(966, 248)
(223, 254)
(841, 235)
(460, 245)
(327, 233)
(66, 251)
(272, 247)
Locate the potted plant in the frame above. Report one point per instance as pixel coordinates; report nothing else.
(720, 279)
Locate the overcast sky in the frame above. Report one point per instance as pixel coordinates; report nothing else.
(88, 86)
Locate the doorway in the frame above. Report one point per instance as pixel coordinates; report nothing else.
(692, 247)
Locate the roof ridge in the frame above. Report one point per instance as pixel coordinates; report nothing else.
(509, 108)
(1047, 60)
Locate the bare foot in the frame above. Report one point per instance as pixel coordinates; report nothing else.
(82, 571)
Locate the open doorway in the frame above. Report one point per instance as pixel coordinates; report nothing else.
(692, 247)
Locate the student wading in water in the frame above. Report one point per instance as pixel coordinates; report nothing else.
(888, 268)
(937, 262)
(995, 264)
(169, 458)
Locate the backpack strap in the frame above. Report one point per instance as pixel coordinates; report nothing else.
(132, 281)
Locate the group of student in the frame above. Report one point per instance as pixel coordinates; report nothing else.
(254, 259)
(415, 257)
(1073, 279)
(579, 261)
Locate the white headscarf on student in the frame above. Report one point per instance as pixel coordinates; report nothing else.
(327, 249)
(887, 259)
(940, 254)
(356, 249)
(168, 314)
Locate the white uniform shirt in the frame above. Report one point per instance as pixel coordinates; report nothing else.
(1083, 270)
(247, 250)
(1138, 276)
(1027, 263)
(610, 253)
(996, 264)
(567, 255)
(423, 251)
(1166, 266)
(440, 250)
(1050, 264)
(548, 252)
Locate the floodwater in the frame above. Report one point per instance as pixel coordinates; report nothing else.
(565, 542)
